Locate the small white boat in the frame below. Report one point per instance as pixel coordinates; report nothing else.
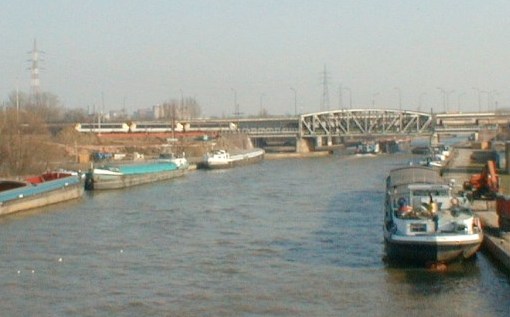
(223, 159)
(367, 149)
(442, 150)
(432, 162)
(424, 222)
(180, 161)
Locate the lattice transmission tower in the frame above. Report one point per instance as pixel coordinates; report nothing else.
(35, 84)
(325, 92)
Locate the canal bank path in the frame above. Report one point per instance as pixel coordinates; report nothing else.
(496, 242)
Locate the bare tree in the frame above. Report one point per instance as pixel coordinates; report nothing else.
(23, 138)
(75, 115)
(46, 106)
(170, 109)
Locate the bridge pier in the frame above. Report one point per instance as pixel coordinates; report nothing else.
(434, 139)
(319, 142)
(302, 145)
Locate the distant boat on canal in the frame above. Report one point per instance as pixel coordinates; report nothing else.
(424, 222)
(38, 191)
(223, 159)
(438, 156)
(127, 175)
(367, 149)
(180, 161)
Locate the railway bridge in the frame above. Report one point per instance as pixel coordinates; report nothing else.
(331, 128)
(334, 127)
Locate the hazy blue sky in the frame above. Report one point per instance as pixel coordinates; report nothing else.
(146, 52)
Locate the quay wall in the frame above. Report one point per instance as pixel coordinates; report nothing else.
(496, 242)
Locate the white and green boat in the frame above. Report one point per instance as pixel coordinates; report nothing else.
(121, 176)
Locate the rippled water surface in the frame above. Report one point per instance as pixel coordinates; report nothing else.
(280, 238)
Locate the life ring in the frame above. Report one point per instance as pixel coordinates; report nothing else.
(404, 210)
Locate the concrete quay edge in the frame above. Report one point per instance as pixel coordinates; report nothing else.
(495, 242)
(287, 155)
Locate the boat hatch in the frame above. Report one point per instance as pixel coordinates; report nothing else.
(7, 185)
(418, 227)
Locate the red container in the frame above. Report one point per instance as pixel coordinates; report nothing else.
(503, 211)
(503, 205)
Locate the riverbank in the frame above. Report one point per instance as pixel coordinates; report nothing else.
(496, 242)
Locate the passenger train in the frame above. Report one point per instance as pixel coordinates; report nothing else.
(469, 119)
(105, 127)
(156, 127)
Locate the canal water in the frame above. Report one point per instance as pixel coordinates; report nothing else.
(296, 237)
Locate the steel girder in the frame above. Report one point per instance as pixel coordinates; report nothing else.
(360, 122)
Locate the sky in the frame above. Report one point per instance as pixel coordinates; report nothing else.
(262, 54)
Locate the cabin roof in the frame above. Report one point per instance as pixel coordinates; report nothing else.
(414, 175)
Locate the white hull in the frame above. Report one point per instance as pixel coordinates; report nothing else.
(104, 180)
(433, 248)
(224, 160)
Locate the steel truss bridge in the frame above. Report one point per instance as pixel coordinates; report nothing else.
(365, 122)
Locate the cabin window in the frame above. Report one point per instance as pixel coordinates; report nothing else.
(418, 227)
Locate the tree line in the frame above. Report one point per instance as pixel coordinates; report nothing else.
(26, 144)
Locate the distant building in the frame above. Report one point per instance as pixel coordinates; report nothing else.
(117, 115)
(159, 111)
(154, 113)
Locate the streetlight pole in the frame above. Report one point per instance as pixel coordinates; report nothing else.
(295, 100)
(420, 100)
(373, 99)
(488, 97)
(399, 98)
(458, 100)
(448, 93)
(491, 95)
(101, 112)
(443, 93)
(340, 98)
(350, 96)
(182, 105)
(17, 105)
(261, 103)
(479, 99)
(235, 102)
